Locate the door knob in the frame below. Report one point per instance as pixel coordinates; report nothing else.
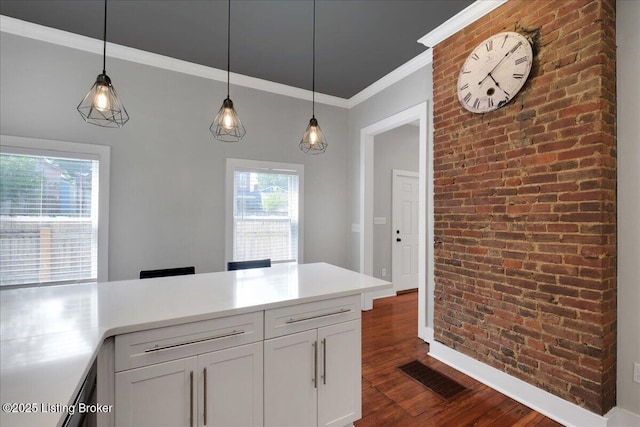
(398, 240)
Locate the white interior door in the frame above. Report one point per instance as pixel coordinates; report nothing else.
(404, 233)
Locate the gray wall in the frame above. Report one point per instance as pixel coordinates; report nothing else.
(167, 204)
(628, 69)
(395, 149)
(406, 93)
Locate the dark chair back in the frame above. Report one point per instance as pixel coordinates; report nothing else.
(243, 265)
(180, 271)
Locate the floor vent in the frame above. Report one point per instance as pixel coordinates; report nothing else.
(432, 379)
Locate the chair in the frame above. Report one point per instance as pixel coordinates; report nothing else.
(243, 265)
(180, 271)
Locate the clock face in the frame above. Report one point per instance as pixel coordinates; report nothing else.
(495, 72)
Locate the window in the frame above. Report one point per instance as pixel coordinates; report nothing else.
(53, 212)
(264, 211)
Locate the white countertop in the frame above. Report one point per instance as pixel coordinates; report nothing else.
(49, 336)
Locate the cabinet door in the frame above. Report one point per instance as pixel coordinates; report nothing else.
(157, 395)
(290, 380)
(231, 381)
(339, 390)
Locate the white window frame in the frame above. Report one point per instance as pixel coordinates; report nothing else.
(102, 153)
(260, 165)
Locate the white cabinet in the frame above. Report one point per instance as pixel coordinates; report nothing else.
(313, 377)
(215, 388)
(156, 395)
(290, 396)
(232, 387)
(223, 372)
(339, 386)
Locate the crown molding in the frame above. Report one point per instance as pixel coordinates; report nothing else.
(75, 41)
(470, 14)
(420, 61)
(466, 16)
(87, 44)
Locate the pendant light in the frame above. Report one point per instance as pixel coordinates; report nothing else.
(313, 141)
(227, 126)
(101, 106)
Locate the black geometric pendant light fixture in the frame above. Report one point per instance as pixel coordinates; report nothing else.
(101, 106)
(313, 141)
(227, 126)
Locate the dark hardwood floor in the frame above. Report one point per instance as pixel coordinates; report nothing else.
(390, 398)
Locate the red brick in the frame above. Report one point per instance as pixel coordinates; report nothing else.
(525, 205)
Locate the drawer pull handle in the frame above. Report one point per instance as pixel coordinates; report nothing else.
(216, 337)
(333, 313)
(324, 361)
(315, 364)
(204, 372)
(191, 399)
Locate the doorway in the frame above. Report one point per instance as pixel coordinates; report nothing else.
(420, 113)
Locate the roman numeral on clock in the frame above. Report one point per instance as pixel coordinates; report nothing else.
(466, 86)
(475, 56)
(518, 76)
(513, 49)
(489, 102)
(476, 103)
(467, 97)
(489, 45)
(521, 60)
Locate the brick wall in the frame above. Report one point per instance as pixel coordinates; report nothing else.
(525, 205)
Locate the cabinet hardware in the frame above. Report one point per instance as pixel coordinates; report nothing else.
(333, 313)
(204, 372)
(191, 399)
(215, 337)
(324, 361)
(315, 364)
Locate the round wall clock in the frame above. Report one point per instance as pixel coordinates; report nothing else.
(494, 72)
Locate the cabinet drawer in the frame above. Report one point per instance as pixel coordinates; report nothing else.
(152, 346)
(303, 317)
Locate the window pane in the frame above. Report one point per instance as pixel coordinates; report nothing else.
(48, 219)
(265, 214)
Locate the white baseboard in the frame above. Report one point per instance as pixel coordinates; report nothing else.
(368, 297)
(618, 417)
(537, 399)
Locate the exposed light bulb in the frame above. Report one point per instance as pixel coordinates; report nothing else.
(313, 136)
(101, 105)
(227, 126)
(227, 120)
(101, 101)
(313, 141)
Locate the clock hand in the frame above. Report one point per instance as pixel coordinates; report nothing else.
(506, 55)
(498, 84)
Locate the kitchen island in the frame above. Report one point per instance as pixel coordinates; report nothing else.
(51, 336)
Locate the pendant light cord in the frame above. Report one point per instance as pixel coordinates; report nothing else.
(313, 73)
(104, 39)
(228, 45)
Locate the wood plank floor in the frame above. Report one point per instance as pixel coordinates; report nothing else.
(390, 398)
